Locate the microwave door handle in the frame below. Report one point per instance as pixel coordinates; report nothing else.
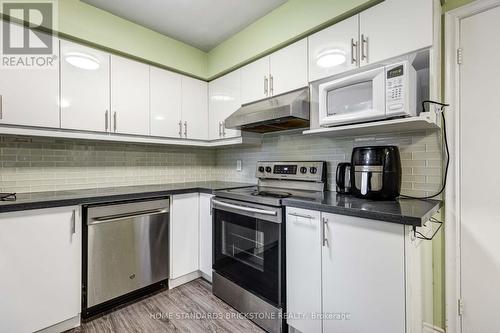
(245, 209)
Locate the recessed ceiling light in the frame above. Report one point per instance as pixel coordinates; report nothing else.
(331, 58)
(82, 60)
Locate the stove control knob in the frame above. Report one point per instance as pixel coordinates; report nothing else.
(268, 169)
(261, 169)
(303, 170)
(313, 170)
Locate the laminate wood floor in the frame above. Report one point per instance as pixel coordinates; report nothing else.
(187, 308)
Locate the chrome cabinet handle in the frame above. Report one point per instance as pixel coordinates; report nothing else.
(265, 85)
(325, 226)
(271, 80)
(354, 52)
(1, 107)
(220, 128)
(180, 128)
(114, 120)
(245, 209)
(186, 129)
(106, 120)
(223, 128)
(73, 222)
(302, 216)
(364, 41)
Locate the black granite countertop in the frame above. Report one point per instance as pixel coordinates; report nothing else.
(39, 200)
(403, 211)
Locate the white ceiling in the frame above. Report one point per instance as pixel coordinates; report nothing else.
(200, 23)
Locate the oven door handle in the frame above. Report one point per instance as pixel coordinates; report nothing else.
(245, 209)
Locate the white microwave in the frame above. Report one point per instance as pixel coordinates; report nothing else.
(384, 92)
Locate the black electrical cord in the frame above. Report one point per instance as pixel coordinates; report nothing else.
(443, 105)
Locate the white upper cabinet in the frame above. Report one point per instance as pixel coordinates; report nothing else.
(363, 268)
(194, 109)
(334, 49)
(129, 96)
(29, 96)
(284, 70)
(395, 27)
(224, 99)
(85, 96)
(255, 81)
(288, 68)
(166, 103)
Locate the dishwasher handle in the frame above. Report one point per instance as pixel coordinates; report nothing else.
(112, 218)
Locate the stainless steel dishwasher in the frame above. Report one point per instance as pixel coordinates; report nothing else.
(126, 252)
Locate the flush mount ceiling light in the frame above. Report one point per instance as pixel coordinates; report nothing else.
(223, 98)
(82, 60)
(331, 58)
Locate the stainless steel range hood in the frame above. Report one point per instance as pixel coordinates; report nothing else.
(287, 111)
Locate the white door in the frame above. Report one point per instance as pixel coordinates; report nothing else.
(334, 50)
(395, 27)
(363, 275)
(29, 96)
(479, 137)
(166, 103)
(255, 81)
(129, 96)
(194, 108)
(205, 235)
(288, 68)
(85, 95)
(303, 267)
(184, 235)
(40, 268)
(224, 98)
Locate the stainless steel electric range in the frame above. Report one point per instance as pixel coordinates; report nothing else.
(249, 239)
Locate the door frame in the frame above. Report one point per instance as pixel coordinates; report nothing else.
(452, 195)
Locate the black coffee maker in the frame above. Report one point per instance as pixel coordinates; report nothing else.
(376, 172)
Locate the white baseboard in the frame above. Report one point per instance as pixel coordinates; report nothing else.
(173, 283)
(429, 328)
(62, 326)
(206, 276)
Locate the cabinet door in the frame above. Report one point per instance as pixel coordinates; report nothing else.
(303, 267)
(184, 235)
(206, 235)
(166, 102)
(40, 268)
(224, 99)
(129, 96)
(84, 88)
(255, 81)
(29, 96)
(288, 68)
(363, 275)
(395, 27)
(334, 49)
(194, 108)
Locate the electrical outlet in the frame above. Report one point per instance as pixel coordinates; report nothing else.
(238, 165)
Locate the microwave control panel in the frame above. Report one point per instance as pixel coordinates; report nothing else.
(400, 79)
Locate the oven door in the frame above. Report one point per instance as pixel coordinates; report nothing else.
(353, 99)
(248, 247)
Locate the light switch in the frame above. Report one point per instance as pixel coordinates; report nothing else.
(238, 165)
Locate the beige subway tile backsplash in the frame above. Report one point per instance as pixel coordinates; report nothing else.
(49, 164)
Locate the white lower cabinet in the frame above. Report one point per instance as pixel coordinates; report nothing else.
(350, 270)
(205, 236)
(40, 268)
(184, 235)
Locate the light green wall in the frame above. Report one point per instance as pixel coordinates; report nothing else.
(291, 20)
(452, 4)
